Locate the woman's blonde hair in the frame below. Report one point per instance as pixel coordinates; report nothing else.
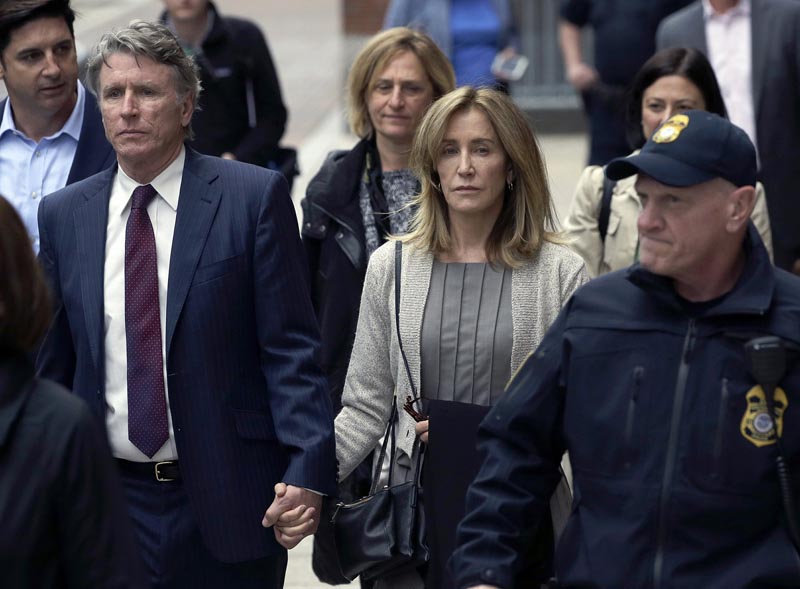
(527, 217)
(376, 55)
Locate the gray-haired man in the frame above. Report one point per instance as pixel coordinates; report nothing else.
(185, 324)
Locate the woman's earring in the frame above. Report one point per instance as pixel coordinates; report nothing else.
(510, 185)
(436, 187)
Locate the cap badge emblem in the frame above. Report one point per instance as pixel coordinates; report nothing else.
(671, 130)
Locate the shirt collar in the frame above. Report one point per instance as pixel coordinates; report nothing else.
(741, 9)
(72, 126)
(167, 184)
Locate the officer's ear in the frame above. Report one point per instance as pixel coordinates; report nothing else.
(741, 202)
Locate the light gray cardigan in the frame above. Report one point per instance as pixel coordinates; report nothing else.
(376, 373)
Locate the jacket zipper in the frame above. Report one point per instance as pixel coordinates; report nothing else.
(334, 217)
(352, 256)
(672, 451)
(723, 406)
(634, 399)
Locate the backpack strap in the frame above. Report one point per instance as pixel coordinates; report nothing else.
(605, 207)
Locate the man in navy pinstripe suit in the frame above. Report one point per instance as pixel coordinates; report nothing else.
(185, 322)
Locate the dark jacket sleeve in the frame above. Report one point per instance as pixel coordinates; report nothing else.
(289, 343)
(56, 357)
(522, 441)
(263, 139)
(98, 546)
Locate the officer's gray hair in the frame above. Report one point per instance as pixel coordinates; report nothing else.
(153, 41)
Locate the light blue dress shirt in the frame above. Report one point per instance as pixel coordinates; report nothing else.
(30, 170)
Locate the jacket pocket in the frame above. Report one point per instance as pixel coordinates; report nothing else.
(631, 441)
(254, 425)
(215, 270)
(607, 408)
(721, 427)
(723, 459)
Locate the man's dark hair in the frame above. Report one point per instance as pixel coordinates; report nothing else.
(16, 13)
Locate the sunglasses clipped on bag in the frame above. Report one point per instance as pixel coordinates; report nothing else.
(408, 407)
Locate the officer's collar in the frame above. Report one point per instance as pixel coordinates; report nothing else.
(752, 293)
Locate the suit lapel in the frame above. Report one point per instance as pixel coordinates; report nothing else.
(94, 152)
(197, 206)
(697, 29)
(91, 222)
(758, 64)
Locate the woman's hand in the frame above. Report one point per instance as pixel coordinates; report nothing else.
(422, 430)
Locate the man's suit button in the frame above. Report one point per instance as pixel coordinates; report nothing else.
(339, 235)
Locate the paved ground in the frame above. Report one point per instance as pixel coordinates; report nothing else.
(308, 48)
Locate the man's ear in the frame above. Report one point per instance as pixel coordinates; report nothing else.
(741, 203)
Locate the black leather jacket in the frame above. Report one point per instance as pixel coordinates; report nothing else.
(333, 236)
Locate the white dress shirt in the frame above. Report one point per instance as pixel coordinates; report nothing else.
(730, 51)
(162, 211)
(30, 170)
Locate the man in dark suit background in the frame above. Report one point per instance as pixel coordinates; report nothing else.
(754, 45)
(50, 129)
(186, 324)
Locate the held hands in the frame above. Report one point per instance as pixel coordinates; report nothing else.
(293, 514)
(421, 428)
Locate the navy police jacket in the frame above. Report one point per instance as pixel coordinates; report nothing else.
(672, 452)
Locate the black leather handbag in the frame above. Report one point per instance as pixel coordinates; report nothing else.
(383, 534)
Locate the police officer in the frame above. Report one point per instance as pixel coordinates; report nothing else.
(644, 379)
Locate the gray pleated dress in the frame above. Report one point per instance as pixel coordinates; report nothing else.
(467, 333)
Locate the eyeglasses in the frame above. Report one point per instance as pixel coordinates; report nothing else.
(408, 407)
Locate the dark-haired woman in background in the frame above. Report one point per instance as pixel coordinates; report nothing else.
(62, 518)
(671, 81)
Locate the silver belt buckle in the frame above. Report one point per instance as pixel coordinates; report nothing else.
(158, 474)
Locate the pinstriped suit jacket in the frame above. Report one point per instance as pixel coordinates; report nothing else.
(776, 96)
(249, 403)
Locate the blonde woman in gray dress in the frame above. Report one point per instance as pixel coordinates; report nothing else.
(483, 277)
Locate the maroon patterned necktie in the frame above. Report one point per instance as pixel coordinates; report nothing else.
(147, 403)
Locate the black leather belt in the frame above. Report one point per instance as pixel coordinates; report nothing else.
(160, 471)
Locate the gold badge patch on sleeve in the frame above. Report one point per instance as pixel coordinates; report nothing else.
(757, 426)
(671, 130)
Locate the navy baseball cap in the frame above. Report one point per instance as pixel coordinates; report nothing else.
(691, 148)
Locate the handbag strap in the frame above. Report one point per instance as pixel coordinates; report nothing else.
(398, 262)
(391, 433)
(398, 265)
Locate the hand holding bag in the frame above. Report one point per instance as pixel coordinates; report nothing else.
(383, 534)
